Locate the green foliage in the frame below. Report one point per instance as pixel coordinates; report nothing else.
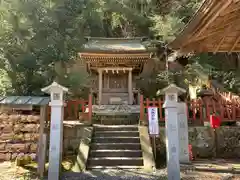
(167, 26)
(154, 81)
(173, 19)
(77, 82)
(205, 65)
(4, 83)
(36, 35)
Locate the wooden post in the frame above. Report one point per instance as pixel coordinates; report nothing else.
(153, 102)
(69, 110)
(160, 109)
(48, 112)
(99, 86)
(130, 93)
(90, 108)
(141, 108)
(207, 111)
(76, 110)
(187, 110)
(222, 110)
(201, 111)
(154, 147)
(147, 106)
(42, 142)
(234, 109)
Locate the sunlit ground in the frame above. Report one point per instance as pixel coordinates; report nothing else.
(204, 169)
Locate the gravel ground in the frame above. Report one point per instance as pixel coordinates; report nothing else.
(8, 171)
(138, 175)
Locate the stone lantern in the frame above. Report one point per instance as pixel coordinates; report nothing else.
(172, 130)
(56, 92)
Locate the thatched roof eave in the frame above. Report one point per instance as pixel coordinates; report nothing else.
(214, 28)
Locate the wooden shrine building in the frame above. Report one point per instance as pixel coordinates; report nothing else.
(113, 64)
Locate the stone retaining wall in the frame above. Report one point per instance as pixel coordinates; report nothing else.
(228, 142)
(203, 142)
(77, 140)
(73, 135)
(19, 136)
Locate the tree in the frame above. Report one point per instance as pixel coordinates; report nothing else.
(38, 36)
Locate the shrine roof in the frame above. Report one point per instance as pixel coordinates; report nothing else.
(24, 100)
(214, 28)
(114, 45)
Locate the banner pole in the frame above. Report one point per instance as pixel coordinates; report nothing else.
(154, 147)
(153, 127)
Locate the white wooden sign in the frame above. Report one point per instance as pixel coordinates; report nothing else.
(153, 121)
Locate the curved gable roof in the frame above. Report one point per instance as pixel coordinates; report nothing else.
(114, 45)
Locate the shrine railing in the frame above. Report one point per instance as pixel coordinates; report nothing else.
(198, 111)
(77, 109)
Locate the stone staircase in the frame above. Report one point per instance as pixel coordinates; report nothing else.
(117, 120)
(115, 147)
(122, 114)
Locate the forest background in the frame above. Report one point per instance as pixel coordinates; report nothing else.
(35, 35)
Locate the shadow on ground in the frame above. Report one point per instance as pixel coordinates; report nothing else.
(111, 175)
(212, 169)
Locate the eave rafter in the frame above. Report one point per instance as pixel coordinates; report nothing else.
(214, 16)
(213, 29)
(114, 55)
(222, 39)
(235, 43)
(101, 60)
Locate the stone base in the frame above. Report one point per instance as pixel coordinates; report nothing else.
(147, 151)
(77, 139)
(116, 114)
(122, 109)
(116, 119)
(203, 142)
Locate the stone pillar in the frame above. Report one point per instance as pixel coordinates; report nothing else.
(100, 86)
(130, 93)
(172, 131)
(56, 130)
(183, 133)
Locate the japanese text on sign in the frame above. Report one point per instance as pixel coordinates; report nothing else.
(153, 120)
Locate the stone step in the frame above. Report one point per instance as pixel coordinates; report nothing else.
(116, 139)
(115, 161)
(115, 167)
(116, 133)
(116, 128)
(115, 146)
(116, 153)
(118, 121)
